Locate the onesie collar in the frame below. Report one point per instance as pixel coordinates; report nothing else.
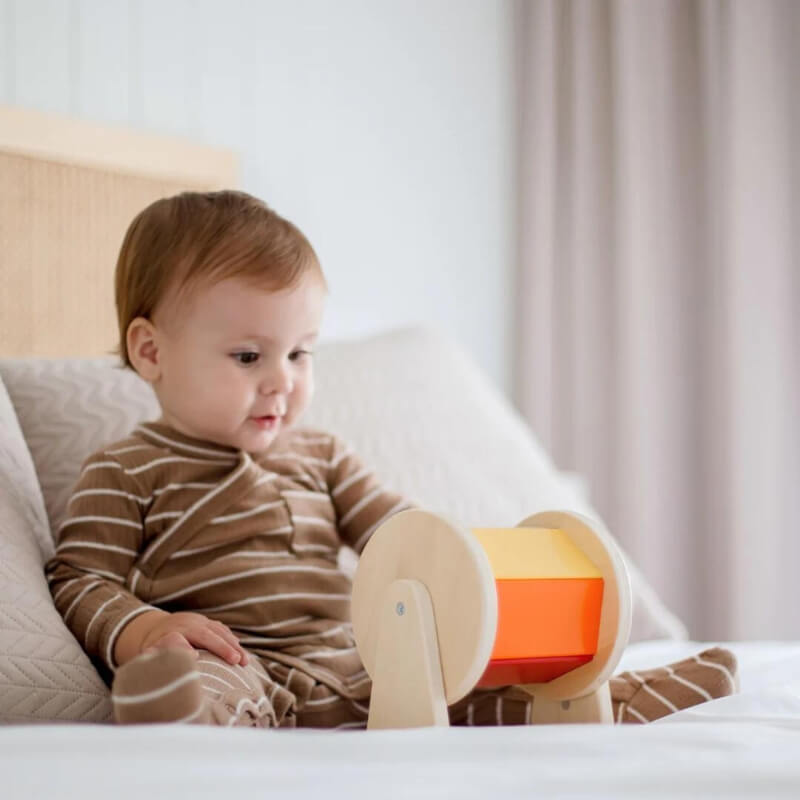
(164, 435)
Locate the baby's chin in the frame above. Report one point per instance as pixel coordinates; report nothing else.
(262, 441)
(250, 437)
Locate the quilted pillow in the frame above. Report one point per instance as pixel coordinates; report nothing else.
(69, 408)
(411, 402)
(44, 673)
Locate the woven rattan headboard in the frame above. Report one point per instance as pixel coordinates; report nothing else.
(68, 190)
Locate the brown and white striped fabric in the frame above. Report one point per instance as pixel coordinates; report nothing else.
(647, 695)
(636, 696)
(179, 687)
(171, 685)
(164, 520)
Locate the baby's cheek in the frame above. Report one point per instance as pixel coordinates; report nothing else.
(301, 398)
(308, 383)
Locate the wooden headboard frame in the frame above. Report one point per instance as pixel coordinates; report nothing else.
(68, 190)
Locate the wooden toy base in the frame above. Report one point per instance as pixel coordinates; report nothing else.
(594, 707)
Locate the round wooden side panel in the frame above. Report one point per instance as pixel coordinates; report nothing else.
(451, 564)
(615, 618)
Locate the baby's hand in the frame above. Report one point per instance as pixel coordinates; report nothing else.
(186, 628)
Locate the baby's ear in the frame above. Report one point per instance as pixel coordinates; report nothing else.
(142, 343)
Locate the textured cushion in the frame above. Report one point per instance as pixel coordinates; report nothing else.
(413, 405)
(68, 409)
(44, 673)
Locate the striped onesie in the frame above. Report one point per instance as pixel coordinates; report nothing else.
(163, 520)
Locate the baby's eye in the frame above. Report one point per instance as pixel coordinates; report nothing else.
(298, 354)
(246, 358)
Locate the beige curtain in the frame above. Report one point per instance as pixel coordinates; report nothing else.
(659, 292)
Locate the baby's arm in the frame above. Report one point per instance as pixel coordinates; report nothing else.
(361, 503)
(98, 545)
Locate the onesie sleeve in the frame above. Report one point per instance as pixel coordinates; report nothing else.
(96, 547)
(361, 503)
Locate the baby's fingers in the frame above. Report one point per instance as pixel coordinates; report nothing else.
(230, 637)
(214, 643)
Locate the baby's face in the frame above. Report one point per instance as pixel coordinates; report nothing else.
(235, 363)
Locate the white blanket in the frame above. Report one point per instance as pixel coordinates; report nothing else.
(747, 745)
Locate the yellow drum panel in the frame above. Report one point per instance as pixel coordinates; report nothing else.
(520, 553)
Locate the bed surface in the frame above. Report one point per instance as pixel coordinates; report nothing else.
(747, 745)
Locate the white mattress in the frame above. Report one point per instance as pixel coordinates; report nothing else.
(747, 745)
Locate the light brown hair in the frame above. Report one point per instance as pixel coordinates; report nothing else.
(197, 237)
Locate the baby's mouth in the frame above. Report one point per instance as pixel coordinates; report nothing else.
(267, 422)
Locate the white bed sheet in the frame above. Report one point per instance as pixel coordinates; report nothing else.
(747, 745)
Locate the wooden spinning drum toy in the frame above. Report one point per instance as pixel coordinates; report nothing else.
(439, 611)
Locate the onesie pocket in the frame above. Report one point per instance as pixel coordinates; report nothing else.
(314, 533)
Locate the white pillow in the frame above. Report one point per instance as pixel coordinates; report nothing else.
(413, 405)
(421, 412)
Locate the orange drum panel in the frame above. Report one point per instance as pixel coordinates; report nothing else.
(547, 617)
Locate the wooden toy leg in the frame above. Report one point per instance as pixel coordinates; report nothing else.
(407, 688)
(594, 707)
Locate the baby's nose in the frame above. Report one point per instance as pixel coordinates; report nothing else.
(279, 382)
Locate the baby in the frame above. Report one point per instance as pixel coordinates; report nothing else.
(198, 563)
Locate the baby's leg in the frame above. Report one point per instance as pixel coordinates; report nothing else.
(317, 705)
(636, 696)
(647, 695)
(506, 705)
(171, 685)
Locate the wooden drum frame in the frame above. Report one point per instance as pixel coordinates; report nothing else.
(425, 617)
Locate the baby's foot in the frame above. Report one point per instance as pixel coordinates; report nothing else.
(647, 695)
(159, 686)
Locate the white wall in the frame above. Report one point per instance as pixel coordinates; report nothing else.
(384, 128)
